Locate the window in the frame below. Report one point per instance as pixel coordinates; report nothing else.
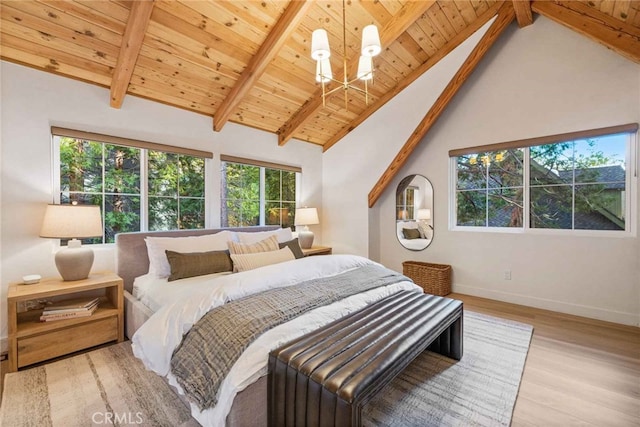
(489, 189)
(405, 203)
(138, 189)
(257, 193)
(176, 191)
(577, 183)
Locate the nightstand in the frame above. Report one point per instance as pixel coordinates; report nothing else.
(32, 341)
(317, 250)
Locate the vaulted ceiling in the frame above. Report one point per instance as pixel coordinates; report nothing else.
(249, 62)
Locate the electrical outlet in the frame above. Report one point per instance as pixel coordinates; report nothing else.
(507, 275)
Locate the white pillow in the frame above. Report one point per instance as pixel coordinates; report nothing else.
(283, 235)
(156, 247)
(245, 262)
(424, 230)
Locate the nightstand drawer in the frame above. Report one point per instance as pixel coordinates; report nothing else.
(38, 348)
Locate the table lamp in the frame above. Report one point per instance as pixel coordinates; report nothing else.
(72, 222)
(424, 214)
(306, 216)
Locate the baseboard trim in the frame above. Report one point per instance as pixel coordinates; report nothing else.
(546, 304)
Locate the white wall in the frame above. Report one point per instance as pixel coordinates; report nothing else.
(33, 101)
(352, 166)
(540, 80)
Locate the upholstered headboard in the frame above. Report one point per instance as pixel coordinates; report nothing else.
(131, 250)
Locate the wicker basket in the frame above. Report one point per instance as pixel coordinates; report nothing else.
(435, 279)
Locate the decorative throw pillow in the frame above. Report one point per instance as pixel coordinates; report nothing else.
(185, 265)
(411, 233)
(156, 247)
(424, 230)
(294, 245)
(245, 262)
(267, 245)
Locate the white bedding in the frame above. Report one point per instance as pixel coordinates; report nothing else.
(156, 340)
(155, 292)
(415, 244)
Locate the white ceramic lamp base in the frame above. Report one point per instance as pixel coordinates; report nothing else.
(305, 238)
(74, 263)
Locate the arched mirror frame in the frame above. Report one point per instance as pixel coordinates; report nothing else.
(414, 212)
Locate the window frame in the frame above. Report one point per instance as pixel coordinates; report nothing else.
(144, 147)
(631, 198)
(262, 165)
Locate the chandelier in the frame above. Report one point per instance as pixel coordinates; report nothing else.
(320, 52)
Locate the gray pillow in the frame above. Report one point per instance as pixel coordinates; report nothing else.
(193, 264)
(411, 233)
(294, 246)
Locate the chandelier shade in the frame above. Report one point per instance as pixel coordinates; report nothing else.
(370, 41)
(320, 45)
(323, 71)
(365, 68)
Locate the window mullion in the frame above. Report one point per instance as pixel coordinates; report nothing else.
(144, 190)
(56, 170)
(526, 190)
(178, 218)
(262, 196)
(486, 197)
(104, 195)
(573, 187)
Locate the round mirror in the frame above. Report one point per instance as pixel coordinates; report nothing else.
(414, 212)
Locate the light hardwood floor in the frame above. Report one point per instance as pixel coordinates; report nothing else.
(579, 371)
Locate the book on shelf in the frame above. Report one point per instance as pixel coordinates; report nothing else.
(48, 316)
(73, 304)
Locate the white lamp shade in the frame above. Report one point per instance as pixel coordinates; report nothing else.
(323, 71)
(424, 214)
(365, 68)
(306, 216)
(320, 45)
(71, 222)
(370, 41)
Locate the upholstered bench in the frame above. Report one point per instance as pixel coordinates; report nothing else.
(324, 378)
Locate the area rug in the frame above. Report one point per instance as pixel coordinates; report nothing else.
(478, 390)
(110, 386)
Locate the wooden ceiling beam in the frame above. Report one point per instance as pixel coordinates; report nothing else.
(524, 15)
(506, 15)
(129, 49)
(617, 35)
(287, 23)
(396, 26)
(423, 68)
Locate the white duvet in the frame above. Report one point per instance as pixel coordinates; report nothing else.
(156, 340)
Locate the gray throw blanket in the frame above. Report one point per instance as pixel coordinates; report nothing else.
(215, 342)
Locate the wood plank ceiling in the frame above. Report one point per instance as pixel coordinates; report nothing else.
(249, 62)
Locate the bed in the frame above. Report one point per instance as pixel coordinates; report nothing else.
(157, 321)
(415, 244)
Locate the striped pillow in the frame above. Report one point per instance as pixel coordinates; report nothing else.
(267, 245)
(245, 262)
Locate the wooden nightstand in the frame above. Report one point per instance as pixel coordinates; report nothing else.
(317, 250)
(32, 341)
